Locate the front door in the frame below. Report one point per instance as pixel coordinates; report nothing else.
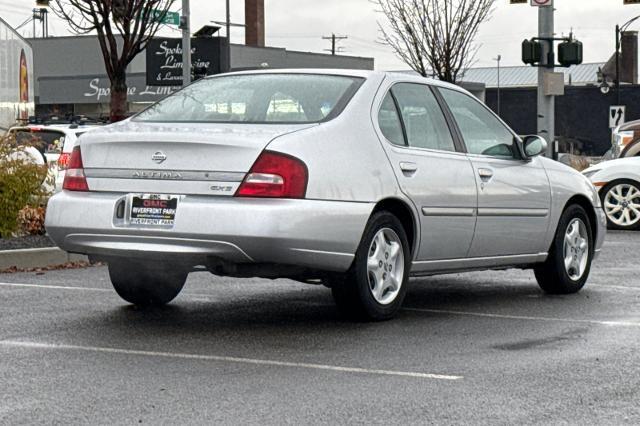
(431, 170)
(514, 195)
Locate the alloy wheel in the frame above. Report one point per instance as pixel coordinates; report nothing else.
(385, 266)
(622, 205)
(576, 249)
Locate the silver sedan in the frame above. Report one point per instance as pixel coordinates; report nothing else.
(352, 179)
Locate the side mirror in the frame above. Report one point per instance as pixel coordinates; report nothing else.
(534, 145)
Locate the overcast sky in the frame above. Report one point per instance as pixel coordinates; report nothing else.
(300, 24)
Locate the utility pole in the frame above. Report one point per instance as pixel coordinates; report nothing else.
(186, 43)
(546, 104)
(334, 39)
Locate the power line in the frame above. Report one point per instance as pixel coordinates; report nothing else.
(334, 39)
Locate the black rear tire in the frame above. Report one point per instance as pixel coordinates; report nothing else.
(145, 283)
(352, 293)
(552, 275)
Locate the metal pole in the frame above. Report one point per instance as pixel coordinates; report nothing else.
(186, 44)
(499, 58)
(618, 63)
(228, 36)
(546, 104)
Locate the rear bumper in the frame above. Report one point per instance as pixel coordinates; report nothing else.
(308, 233)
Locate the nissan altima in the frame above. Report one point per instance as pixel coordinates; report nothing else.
(352, 179)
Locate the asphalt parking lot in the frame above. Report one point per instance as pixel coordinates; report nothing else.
(474, 348)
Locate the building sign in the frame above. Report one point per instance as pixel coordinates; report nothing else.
(99, 91)
(96, 89)
(164, 59)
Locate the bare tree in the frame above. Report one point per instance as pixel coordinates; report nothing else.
(124, 28)
(434, 37)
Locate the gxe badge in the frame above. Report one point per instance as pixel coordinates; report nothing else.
(159, 157)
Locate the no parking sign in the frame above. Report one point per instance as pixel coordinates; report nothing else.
(541, 3)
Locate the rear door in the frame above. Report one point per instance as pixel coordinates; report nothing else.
(430, 169)
(514, 196)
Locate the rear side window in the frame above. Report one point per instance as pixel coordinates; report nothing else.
(423, 118)
(46, 141)
(389, 121)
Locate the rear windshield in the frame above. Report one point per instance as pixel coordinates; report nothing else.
(257, 98)
(46, 141)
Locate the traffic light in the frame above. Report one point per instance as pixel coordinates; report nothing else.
(570, 53)
(531, 52)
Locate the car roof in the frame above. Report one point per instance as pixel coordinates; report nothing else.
(394, 75)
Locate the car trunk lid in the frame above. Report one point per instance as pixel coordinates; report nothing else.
(185, 158)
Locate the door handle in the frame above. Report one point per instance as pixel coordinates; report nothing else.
(485, 174)
(408, 167)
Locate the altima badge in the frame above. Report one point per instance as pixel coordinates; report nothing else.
(159, 157)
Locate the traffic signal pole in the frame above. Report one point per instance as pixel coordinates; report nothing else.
(546, 104)
(186, 43)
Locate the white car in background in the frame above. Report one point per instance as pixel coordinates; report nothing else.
(618, 183)
(55, 143)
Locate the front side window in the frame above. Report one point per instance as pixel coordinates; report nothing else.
(482, 132)
(257, 98)
(423, 118)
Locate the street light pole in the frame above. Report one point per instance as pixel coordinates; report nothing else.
(498, 59)
(186, 43)
(619, 30)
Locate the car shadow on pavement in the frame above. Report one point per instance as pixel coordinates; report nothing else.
(288, 318)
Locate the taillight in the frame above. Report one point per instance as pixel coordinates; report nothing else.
(74, 179)
(63, 161)
(275, 175)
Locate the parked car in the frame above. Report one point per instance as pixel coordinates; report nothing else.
(618, 183)
(55, 142)
(354, 179)
(626, 141)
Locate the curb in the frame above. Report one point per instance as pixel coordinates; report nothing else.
(37, 258)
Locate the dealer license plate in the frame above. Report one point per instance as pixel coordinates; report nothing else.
(153, 209)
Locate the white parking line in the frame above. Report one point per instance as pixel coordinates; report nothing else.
(202, 297)
(525, 317)
(56, 287)
(50, 346)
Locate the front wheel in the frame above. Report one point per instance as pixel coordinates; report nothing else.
(375, 286)
(621, 202)
(569, 262)
(146, 283)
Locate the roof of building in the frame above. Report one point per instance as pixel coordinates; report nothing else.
(527, 76)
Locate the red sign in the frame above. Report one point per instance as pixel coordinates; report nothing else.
(541, 3)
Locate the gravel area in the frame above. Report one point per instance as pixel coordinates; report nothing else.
(30, 241)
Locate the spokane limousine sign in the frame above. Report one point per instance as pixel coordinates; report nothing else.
(99, 90)
(164, 59)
